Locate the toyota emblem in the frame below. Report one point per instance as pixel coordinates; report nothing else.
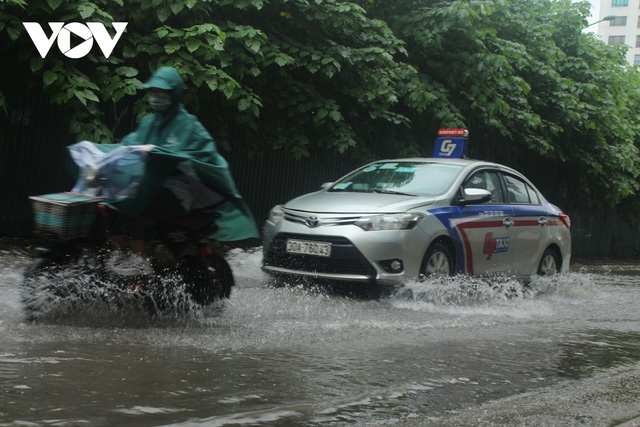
(312, 221)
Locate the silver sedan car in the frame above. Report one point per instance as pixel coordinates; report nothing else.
(393, 221)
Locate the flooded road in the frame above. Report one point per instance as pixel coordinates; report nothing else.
(455, 352)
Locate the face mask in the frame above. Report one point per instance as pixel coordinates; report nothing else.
(159, 103)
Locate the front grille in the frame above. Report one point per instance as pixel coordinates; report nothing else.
(345, 258)
(320, 219)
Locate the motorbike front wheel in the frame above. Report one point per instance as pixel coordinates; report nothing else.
(209, 279)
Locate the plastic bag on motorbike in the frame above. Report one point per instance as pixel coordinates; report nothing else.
(112, 175)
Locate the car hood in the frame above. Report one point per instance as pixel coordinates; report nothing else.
(349, 202)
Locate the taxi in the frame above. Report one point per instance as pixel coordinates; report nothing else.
(398, 220)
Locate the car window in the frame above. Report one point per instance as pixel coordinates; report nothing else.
(487, 180)
(430, 179)
(533, 196)
(519, 191)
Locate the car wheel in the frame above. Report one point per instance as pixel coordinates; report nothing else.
(437, 261)
(549, 263)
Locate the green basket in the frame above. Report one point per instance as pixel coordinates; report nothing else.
(65, 215)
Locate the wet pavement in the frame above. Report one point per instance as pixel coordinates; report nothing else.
(457, 352)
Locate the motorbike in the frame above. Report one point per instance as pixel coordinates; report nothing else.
(190, 271)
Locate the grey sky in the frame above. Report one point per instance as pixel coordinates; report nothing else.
(595, 10)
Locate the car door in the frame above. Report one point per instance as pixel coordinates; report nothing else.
(530, 229)
(486, 229)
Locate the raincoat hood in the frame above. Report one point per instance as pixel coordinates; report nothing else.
(168, 78)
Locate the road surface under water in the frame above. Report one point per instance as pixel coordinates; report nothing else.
(455, 352)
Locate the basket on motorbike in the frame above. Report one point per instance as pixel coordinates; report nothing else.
(65, 215)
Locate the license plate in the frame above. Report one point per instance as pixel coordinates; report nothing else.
(308, 248)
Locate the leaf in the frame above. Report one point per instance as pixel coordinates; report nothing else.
(322, 113)
(81, 97)
(86, 11)
(171, 48)
(127, 71)
(193, 45)
(163, 14)
(244, 104)
(217, 43)
(49, 77)
(14, 33)
(212, 83)
(54, 4)
(36, 63)
(91, 96)
(253, 45)
(335, 115)
(177, 6)
(283, 59)
(132, 85)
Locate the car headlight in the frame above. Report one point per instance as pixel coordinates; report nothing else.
(403, 221)
(276, 214)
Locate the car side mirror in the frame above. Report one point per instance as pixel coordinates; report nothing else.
(326, 185)
(473, 196)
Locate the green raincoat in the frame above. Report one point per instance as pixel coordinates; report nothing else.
(180, 137)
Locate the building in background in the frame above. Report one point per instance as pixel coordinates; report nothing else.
(624, 28)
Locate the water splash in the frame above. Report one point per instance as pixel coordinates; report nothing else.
(91, 299)
(496, 297)
(464, 290)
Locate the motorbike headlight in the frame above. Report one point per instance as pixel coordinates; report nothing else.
(276, 214)
(402, 221)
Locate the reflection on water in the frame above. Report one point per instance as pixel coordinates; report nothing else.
(596, 350)
(298, 356)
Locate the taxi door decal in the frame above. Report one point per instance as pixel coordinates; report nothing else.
(465, 239)
(492, 246)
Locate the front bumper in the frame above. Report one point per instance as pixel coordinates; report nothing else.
(346, 262)
(356, 255)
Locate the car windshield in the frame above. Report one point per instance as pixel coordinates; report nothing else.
(410, 178)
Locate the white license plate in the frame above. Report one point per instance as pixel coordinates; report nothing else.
(308, 248)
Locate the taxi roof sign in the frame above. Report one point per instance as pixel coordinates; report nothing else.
(451, 144)
(453, 132)
(450, 148)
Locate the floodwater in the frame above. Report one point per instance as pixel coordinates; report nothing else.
(457, 352)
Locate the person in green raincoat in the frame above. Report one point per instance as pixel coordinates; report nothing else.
(184, 171)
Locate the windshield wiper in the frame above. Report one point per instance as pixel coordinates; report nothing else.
(345, 190)
(400, 193)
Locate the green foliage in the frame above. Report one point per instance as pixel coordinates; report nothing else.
(369, 77)
(535, 91)
(295, 75)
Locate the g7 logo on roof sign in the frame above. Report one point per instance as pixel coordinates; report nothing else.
(497, 245)
(62, 32)
(447, 148)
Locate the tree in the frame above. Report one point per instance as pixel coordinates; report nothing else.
(370, 77)
(292, 75)
(532, 88)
